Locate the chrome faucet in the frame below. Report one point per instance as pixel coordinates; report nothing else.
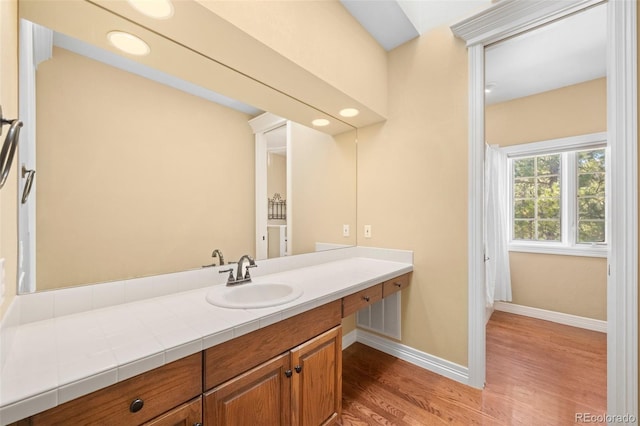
(240, 278)
(216, 253)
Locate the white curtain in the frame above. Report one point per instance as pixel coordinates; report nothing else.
(498, 273)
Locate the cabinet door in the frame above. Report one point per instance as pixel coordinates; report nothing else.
(259, 397)
(316, 388)
(189, 414)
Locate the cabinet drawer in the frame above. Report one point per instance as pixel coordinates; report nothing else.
(159, 390)
(356, 301)
(189, 414)
(395, 284)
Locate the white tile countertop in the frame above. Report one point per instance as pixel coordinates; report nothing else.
(55, 360)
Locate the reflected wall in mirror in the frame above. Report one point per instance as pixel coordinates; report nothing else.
(136, 178)
(546, 110)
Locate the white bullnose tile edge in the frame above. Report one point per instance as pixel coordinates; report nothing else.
(20, 410)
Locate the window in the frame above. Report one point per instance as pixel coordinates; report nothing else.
(557, 196)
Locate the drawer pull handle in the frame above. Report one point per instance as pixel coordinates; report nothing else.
(288, 373)
(197, 424)
(366, 298)
(136, 405)
(397, 284)
(298, 368)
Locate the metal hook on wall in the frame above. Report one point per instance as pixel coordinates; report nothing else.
(8, 147)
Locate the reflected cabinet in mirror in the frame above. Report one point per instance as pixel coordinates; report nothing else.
(140, 173)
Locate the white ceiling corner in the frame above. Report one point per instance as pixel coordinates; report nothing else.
(394, 22)
(385, 20)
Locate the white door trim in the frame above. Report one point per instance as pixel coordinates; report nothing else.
(260, 125)
(503, 20)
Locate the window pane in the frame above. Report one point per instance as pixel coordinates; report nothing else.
(549, 186)
(549, 208)
(536, 191)
(524, 188)
(591, 196)
(590, 184)
(591, 161)
(523, 229)
(548, 165)
(524, 167)
(591, 208)
(591, 231)
(524, 209)
(549, 230)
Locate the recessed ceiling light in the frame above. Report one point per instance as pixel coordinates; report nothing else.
(128, 43)
(320, 122)
(349, 112)
(158, 9)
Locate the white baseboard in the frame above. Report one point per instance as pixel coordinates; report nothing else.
(349, 339)
(421, 359)
(559, 317)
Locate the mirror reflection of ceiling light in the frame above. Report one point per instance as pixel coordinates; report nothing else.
(128, 43)
(349, 112)
(320, 122)
(489, 87)
(158, 9)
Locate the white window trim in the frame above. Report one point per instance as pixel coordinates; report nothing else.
(568, 246)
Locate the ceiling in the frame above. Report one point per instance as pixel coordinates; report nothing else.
(562, 53)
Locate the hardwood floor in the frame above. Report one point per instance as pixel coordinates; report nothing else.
(538, 373)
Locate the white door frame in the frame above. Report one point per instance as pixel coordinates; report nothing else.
(505, 19)
(36, 44)
(261, 125)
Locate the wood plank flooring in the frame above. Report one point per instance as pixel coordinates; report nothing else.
(538, 373)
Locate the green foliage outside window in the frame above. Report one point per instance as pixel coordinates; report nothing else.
(591, 196)
(536, 196)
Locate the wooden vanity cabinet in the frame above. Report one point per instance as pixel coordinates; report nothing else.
(133, 401)
(189, 414)
(287, 373)
(316, 386)
(395, 284)
(300, 387)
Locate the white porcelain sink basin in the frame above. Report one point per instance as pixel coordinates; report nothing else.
(252, 295)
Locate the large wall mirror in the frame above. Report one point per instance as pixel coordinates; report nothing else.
(143, 169)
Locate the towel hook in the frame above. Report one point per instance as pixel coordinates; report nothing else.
(8, 147)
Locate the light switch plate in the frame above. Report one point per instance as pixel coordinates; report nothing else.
(345, 230)
(367, 231)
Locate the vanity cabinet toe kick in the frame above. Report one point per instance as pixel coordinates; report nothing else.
(291, 369)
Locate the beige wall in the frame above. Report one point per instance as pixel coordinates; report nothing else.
(575, 110)
(323, 188)
(568, 284)
(277, 175)
(9, 102)
(412, 187)
(135, 178)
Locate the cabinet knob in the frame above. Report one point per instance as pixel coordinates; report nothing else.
(136, 405)
(288, 373)
(197, 424)
(397, 284)
(366, 298)
(298, 368)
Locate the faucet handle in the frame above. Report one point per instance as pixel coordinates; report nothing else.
(230, 271)
(246, 271)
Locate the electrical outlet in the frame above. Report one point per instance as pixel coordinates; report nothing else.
(345, 230)
(367, 231)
